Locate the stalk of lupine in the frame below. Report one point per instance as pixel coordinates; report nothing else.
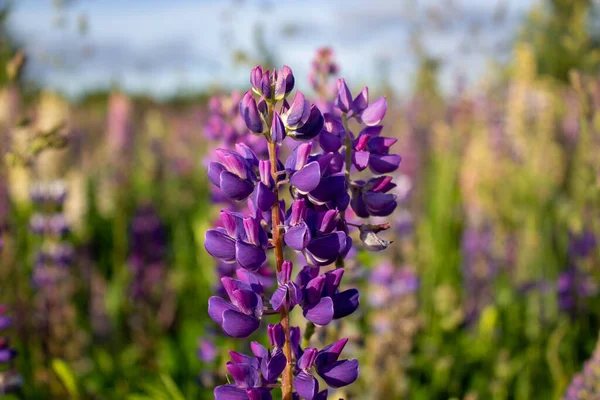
(323, 69)
(151, 300)
(10, 380)
(394, 323)
(312, 225)
(574, 284)
(478, 269)
(52, 275)
(586, 384)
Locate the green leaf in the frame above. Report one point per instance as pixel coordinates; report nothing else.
(66, 376)
(172, 388)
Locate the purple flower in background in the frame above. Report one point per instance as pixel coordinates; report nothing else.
(478, 268)
(582, 245)
(148, 252)
(10, 380)
(390, 283)
(584, 385)
(572, 288)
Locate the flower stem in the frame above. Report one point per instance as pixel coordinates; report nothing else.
(339, 263)
(287, 385)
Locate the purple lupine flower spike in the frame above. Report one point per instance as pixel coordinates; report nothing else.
(318, 176)
(10, 380)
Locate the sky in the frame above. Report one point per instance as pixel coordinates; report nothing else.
(162, 47)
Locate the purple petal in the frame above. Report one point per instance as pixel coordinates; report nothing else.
(307, 274)
(331, 353)
(277, 129)
(297, 237)
(307, 178)
(245, 375)
(327, 248)
(381, 145)
(279, 298)
(360, 159)
(345, 303)
(313, 126)
(329, 188)
(380, 204)
(314, 288)
(361, 101)
(250, 114)
(340, 373)
(330, 142)
(321, 313)
(238, 325)
(384, 164)
(260, 393)
(265, 198)
(276, 335)
(273, 367)
(235, 187)
(214, 173)
(239, 358)
(375, 112)
(230, 392)
(259, 350)
(249, 256)
(332, 281)
(343, 101)
(248, 302)
(217, 306)
(219, 245)
(299, 111)
(306, 385)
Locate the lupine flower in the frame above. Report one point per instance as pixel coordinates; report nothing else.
(336, 373)
(207, 351)
(369, 114)
(288, 294)
(315, 234)
(373, 151)
(240, 316)
(10, 380)
(586, 385)
(147, 257)
(478, 268)
(241, 240)
(321, 300)
(233, 175)
(390, 283)
(302, 120)
(314, 225)
(372, 198)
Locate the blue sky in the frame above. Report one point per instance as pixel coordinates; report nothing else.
(165, 46)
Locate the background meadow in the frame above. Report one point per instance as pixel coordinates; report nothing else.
(108, 121)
